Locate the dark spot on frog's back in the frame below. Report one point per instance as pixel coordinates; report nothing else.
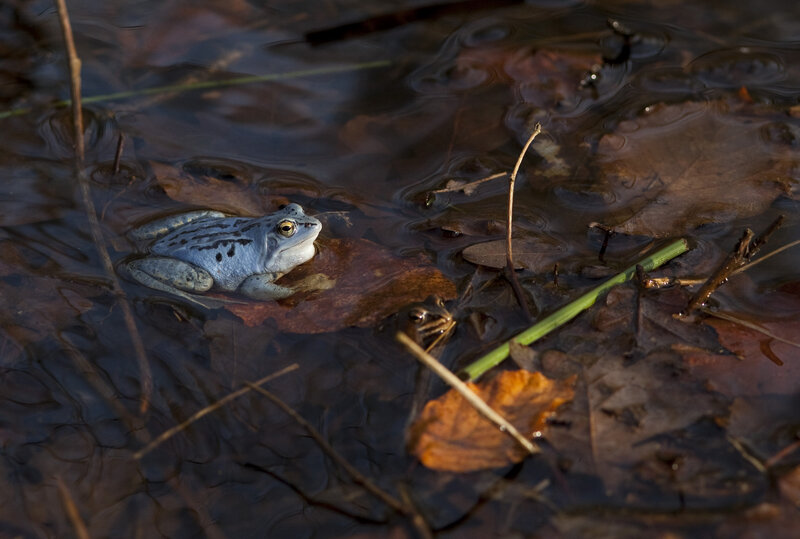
(219, 257)
(232, 251)
(225, 242)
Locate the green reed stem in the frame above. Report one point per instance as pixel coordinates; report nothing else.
(570, 311)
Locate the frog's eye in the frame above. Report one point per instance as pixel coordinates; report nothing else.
(287, 228)
(417, 315)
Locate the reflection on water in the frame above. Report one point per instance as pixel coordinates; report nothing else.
(455, 97)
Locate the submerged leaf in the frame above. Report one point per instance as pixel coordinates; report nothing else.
(544, 78)
(361, 283)
(762, 365)
(681, 166)
(206, 191)
(451, 435)
(532, 253)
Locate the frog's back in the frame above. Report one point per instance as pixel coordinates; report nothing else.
(228, 248)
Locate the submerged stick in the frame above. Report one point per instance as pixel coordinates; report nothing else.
(470, 396)
(767, 256)
(747, 246)
(355, 475)
(166, 435)
(570, 311)
(91, 212)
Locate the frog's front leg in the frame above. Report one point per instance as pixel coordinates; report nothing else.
(161, 227)
(170, 275)
(262, 287)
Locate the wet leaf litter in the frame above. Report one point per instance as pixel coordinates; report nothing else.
(679, 166)
(695, 419)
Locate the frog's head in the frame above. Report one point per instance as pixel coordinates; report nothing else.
(290, 238)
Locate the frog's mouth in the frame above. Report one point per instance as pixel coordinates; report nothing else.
(300, 252)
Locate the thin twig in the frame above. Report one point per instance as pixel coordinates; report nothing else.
(90, 375)
(75, 81)
(357, 477)
(78, 525)
(747, 454)
(766, 256)
(744, 250)
(91, 213)
(310, 499)
(749, 325)
(777, 457)
(735, 259)
(417, 520)
(762, 238)
(118, 153)
(469, 186)
(512, 179)
(510, 274)
(166, 435)
(470, 396)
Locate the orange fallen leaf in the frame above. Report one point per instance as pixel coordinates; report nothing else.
(450, 435)
(365, 283)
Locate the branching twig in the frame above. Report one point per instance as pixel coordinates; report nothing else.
(767, 256)
(91, 213)
(355, 475)
(166, 435)
(745, 248)
(470, 396)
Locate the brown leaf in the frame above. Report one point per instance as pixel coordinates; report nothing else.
(543, 77)
(450, 435)
(235, 197)
(756, 370)
(534, 254)
(36, 304)
(680, 166)
(365, 284)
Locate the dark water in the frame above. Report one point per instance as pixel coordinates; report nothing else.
(435, 95)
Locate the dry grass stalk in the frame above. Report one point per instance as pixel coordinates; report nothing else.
(453, 381)
(511, 275)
